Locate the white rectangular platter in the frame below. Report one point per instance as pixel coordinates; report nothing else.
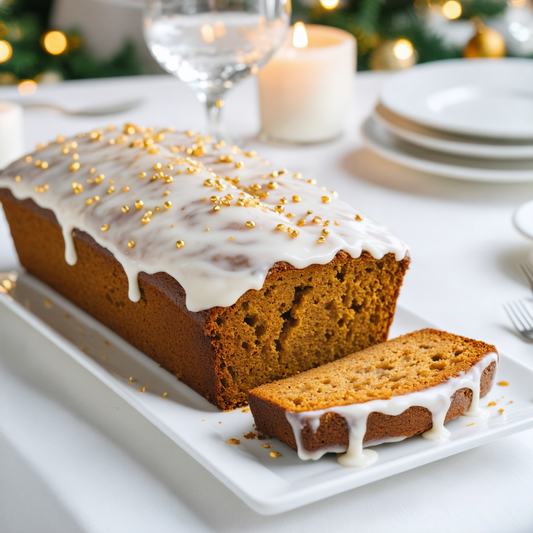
(269, 485)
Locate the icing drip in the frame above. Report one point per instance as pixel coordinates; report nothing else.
(213, 217)
(436, 399)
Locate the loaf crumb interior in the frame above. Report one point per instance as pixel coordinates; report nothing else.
(406, 364)
(302, 319)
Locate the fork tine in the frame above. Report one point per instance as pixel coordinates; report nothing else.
(517, 323)
(527, 271)
(525, 313)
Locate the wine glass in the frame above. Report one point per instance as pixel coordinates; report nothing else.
(212, 44)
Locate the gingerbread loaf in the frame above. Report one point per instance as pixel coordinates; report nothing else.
(227, 270)
(404, 387)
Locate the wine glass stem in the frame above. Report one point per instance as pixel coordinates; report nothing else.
(214, 119)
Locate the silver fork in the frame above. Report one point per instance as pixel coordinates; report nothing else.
(527, 271)
(521, 318)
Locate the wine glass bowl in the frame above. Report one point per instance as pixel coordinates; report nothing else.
(213, 44)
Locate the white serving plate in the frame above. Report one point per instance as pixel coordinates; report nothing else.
(482, 97)
(448, 142)
(523, 219)
(268, 485)
(391, 147)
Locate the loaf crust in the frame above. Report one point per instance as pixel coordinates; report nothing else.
(220, 352)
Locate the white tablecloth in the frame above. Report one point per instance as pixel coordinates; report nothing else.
(75, 457)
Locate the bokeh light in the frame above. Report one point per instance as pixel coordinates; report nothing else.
(329, 4)
(5, 51)
(403, 49)
(55, 42)
(452, 9)
(27, 87)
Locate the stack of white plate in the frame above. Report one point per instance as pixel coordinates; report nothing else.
(463, 119)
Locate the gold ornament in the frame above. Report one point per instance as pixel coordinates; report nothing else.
(485, 43)
(393, 55)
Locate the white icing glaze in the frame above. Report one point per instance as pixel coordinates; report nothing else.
(214, 267)
(436, 399)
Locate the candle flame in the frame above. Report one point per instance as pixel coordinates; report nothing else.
(208, 33)
(299, 37)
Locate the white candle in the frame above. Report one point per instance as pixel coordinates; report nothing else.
(307, 88)
(11, 141)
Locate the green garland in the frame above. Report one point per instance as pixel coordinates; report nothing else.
(375, 21)
(23, 23)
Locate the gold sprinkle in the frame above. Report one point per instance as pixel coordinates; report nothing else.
(168, 204)
(267, 446)
(89, 201)
(225, 159)
(47, 301)
(220, 103)
(272, 185)
(325, 232)
(111, 190)
(503, 383)
(166, 193)
(501, 411)
(77, 187)
(358, 218)
(60, 139)
(92, 171)
(74, 145)
(472, 424)
(235, 442)
(157, 208)
(293, 232)
(298, 175)
(252, 153)
(75, 166)
(275, 174)
(170, 167)
(131, 244)
(180, 244)
(18, 179)
(143, 389)
(112, 141)
(312, 182)
(65, 150)
(99, 178)
(139, 204)
(145, 220)
(75, 157)
(275, 454)
(165, 394)
(105, 227)
(317, 220)
(44, 165)
(37, 162)
(208, 228)
(326, 199)
(335, 193)
(290, 215)
(158, 166)
(280, 227)
(192, 170)
(126, 189)
(131, 380)
(301, 222)
(491, 404)
(214, 198)
(231, 238)
(283, 201)
(29, 159)
(296, 199)
(239, 164)
(279, 208)
(216, 208)
(209, 182)
(321, 240)
(124, 208)
(169, 179)
(142, 175)
(250, 224)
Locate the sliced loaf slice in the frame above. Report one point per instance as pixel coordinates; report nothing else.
(406, 371)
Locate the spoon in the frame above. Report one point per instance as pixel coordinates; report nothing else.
(109, 109)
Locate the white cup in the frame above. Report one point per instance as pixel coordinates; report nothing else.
(11, 138)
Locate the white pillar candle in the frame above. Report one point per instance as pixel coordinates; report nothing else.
(307, 88)
(11, 141)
